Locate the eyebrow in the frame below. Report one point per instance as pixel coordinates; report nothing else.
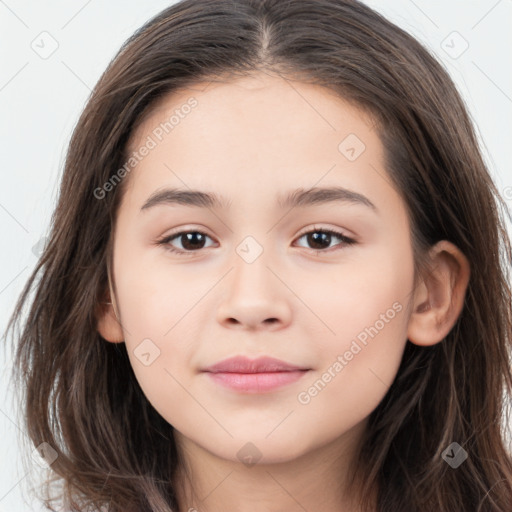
(294, 199)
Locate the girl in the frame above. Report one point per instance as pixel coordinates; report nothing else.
(338, 339)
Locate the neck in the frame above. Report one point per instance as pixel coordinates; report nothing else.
(317, 480)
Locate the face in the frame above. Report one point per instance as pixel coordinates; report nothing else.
(321, 283)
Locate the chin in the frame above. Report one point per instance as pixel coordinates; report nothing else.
(256, 449)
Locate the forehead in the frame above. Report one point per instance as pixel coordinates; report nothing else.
(253, 134)
(260, 102)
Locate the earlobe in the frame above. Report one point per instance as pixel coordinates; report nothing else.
(108, 325)
(107, 315)
(439, 298)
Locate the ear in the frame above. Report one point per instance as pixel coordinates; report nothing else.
(107, 323)
(439, 297)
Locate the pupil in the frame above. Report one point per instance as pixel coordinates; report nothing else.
(314, 237)
(192, 237)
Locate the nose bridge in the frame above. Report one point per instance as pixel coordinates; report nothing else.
(250, 262)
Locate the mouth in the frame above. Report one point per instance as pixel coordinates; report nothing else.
(260, 375)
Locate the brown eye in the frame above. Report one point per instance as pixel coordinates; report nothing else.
(191, 241)
(321, 239)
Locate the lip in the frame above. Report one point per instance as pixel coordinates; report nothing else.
(259, 375)
(242, 364)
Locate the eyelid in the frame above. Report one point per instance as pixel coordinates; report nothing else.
(315, 227)
(186, 229)
(337, 231)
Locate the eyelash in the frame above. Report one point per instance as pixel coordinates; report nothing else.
(165, 241)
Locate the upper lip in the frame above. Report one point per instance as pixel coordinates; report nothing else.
(242, 364)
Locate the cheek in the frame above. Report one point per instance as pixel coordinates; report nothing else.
(156, 294)
(158, 320)
(367, 313)
(358, 366)
(364, 315)
(363, 297)
(160, 344)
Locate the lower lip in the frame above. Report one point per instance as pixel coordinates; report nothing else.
(256, 382)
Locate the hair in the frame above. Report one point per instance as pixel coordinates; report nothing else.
(79, 393)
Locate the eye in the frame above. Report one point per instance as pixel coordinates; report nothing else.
(192, 241)
(320, 238)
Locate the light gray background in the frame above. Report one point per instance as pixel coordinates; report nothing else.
(41, 99)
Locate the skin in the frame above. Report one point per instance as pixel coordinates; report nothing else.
(251, 140)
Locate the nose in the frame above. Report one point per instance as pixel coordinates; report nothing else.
(255, 298)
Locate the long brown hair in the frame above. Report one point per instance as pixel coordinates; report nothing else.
(79, 393)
